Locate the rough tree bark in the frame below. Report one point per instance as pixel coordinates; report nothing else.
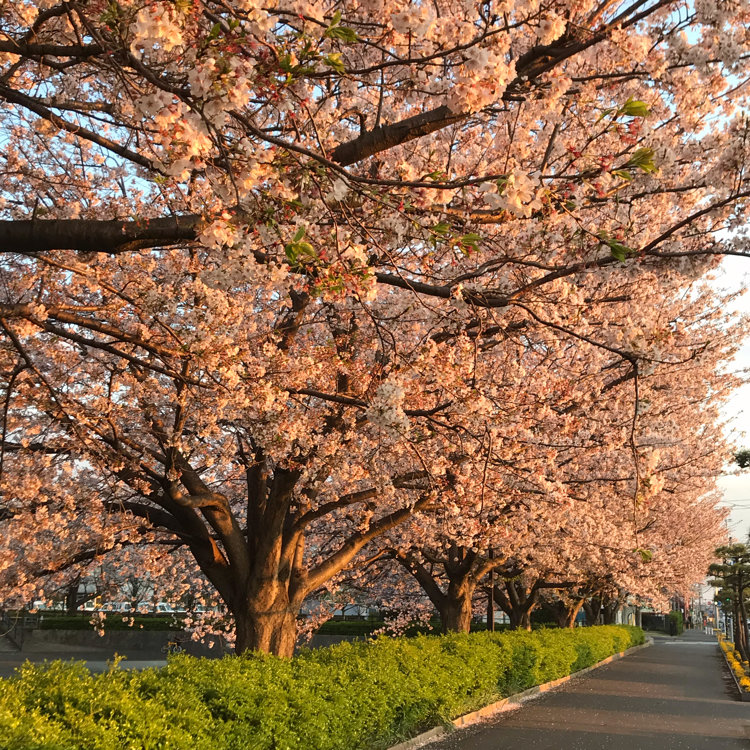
(517, 601)
(610, 610)
(593, 608)
(463, 569)
(566, 611)
(742, 640)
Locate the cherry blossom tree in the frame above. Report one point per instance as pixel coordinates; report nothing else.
(616, 496)
(272, 275)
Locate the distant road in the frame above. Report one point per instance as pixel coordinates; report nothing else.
(675, 695)
(96, 659)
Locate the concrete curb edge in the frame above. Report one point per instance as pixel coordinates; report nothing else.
(509, 703)
(744, 696)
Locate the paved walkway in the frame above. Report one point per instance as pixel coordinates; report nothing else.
(675, 695)
(96, 659)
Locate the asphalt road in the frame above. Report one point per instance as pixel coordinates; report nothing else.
(97, 660)
(675, 695)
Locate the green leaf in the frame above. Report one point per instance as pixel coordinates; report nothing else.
(298, 252)
(634, 108)
(285, 63)
(215, 31)
(111, 16)
(646, 555)
(623, 173)
(441, 228)
(334, 61)
(643, 159)
(618, 249)
(343, 33)
(468, 242)
(306, 250)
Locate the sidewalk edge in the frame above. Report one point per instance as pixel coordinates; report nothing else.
(509, 703)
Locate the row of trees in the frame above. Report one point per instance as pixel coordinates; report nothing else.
(394, 295)
(732, 580)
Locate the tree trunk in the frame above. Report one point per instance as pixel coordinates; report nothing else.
(273, 631)
(566, 612)
(455, 614)
(593, 609)
(520, 619)
(455, 603)
(609, 612)
(742, 622)
(73, 599)
(517, 602)
(738, 637)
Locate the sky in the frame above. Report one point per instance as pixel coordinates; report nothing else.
(735, 274)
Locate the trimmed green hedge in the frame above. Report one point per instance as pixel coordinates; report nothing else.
(115, 621)
(675, 624)
(352, 696)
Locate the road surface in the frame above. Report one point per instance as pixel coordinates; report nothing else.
(675, 695)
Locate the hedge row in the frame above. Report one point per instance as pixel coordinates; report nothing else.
(351, 696)
(675, 624)
(115, 621)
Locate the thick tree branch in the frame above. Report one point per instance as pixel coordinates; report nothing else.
(387, 136)
(339, 559)
(32, 49)
(39, 109)
(93, 236)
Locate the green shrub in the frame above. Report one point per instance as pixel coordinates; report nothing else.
(351, 696)
(114, 622)
(349, 627)
(675, 624)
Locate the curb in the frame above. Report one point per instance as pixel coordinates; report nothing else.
(744, 696)
(511, 702)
